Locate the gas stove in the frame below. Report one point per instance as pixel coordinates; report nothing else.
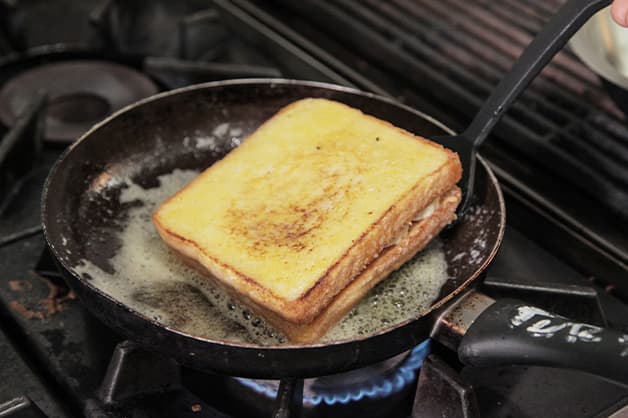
(65, 65)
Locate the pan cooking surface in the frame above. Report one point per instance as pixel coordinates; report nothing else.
(100, 195)
(150, 279)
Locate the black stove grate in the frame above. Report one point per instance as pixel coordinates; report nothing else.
(454, 53)
(76, 357)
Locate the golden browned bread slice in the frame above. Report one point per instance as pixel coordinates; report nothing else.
(287, 220)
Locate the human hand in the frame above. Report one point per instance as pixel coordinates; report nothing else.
(619, 11)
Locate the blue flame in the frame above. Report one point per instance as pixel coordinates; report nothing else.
(379, 387)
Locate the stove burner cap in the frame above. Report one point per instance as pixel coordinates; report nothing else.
(80, 94)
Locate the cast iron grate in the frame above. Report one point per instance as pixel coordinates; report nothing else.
(454, 53)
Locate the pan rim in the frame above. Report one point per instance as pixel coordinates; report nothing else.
(255, 347)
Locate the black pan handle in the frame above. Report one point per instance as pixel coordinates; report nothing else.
(540, 51)
(506, 332)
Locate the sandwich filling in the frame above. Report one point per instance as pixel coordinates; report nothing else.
(428, 211)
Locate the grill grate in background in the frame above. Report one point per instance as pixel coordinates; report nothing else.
(456, 52)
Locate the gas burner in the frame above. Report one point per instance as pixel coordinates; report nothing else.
(80, 93)
(356, 392)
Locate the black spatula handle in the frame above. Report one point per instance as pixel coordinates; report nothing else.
(540, 51)
(510, 332)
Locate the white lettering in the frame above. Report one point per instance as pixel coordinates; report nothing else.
(550, 325)
(544, 328)
(525, 313)
(584, 332)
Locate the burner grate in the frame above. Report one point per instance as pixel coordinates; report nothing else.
(455, 52)
(80, 93)
(71, 350)
(20, 149)
(368, 383)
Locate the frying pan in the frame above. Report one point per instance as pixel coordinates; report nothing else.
(82, 207)
(82, 213)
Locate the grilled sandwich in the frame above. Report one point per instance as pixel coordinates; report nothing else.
(313, 209)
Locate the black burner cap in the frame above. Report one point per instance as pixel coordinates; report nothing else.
(80, 93)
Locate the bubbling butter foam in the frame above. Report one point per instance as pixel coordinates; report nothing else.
(150, 279)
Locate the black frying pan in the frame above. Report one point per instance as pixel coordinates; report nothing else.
(83, 214)
(82, 208)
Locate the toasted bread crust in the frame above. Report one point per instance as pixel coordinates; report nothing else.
(309, 304)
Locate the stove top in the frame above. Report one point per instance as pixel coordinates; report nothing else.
(59, 361)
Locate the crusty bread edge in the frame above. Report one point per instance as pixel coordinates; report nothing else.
(380, 234)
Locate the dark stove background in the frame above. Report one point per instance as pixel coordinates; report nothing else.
(564, 249)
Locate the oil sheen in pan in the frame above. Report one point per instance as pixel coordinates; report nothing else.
(151, 280)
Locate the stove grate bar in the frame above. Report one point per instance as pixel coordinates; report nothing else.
(20, 407)
(20, 149)
(539, 127)
(536, 110)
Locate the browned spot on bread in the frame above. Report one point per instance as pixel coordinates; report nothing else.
(281, 224)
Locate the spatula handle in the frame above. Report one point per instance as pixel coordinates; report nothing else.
(540, 51)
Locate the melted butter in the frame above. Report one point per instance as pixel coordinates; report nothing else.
(151, 280)
(402, 296)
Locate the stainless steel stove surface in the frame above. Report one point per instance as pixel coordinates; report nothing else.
(565, 247)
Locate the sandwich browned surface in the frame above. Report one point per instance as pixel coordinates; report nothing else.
(419, 234)
(295, 221)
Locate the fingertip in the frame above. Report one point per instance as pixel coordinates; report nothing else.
(619, 10)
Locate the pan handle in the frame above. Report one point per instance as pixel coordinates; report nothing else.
(505, 332)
